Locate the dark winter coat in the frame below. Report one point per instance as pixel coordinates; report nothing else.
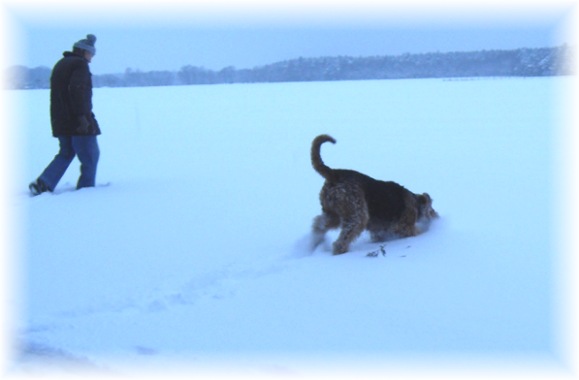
(71, 97)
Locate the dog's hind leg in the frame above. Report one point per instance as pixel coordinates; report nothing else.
(352, 226)
(323, 223)
(351, 229)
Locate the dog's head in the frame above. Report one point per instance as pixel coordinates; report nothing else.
(425, 210)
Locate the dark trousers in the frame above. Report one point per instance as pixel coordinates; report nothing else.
(87, 150)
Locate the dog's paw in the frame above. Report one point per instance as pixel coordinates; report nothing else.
(339, 248)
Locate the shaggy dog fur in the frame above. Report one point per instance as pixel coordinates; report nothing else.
(356, 202)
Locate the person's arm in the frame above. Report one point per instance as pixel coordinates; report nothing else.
(80, 90)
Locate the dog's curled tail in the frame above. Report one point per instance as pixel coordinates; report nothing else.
(317, 162)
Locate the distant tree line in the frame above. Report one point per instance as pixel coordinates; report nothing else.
(486, 63)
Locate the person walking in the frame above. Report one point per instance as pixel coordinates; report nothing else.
(72, 119)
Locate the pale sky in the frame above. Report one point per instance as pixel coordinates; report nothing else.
(177, 38)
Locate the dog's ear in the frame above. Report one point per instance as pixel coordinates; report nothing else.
(426, 205)
(424, 198)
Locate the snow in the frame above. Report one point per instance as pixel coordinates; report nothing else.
(196, 256)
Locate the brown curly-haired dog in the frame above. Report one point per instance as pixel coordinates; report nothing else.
(356, 202)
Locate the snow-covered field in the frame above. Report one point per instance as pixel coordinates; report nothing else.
(195, 257)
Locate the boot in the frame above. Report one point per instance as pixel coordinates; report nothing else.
(38, 187)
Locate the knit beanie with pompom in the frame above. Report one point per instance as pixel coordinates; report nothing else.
(87, 44)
